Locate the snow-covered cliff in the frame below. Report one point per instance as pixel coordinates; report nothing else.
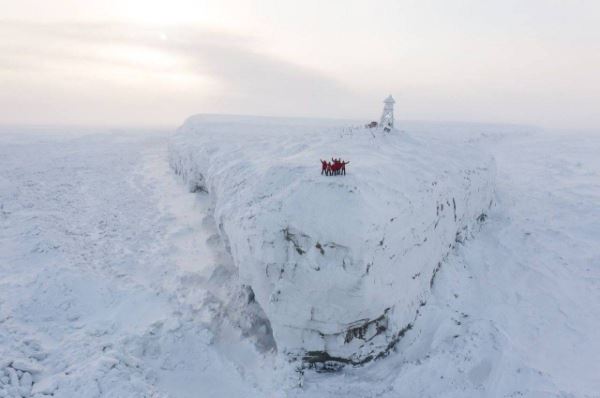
(342, 264)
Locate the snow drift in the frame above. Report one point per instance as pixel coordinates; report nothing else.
(340, 264)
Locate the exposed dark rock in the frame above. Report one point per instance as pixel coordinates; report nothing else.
(290, 237)
(454, 205)
(435, 271)
(320, 248)
(196, 188)
(361, 331)
(322, 361)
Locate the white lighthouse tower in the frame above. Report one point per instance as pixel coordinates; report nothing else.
(387, 117)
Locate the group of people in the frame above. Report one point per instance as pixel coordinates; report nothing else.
(335, 167)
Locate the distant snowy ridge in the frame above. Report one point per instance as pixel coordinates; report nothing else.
(340, 265)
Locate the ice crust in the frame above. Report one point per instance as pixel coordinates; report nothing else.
(340, 264)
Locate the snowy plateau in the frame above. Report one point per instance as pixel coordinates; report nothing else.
(339, 264)
(453, 260)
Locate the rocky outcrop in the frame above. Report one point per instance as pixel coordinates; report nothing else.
(340, 265)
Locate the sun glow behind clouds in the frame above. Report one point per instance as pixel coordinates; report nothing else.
(522, 62)
(135, 65)
(97, 73)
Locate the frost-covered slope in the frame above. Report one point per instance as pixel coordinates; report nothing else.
(340, 265)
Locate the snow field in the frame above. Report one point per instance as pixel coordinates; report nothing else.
(103, 260)
(114, 282)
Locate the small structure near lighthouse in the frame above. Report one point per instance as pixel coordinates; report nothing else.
(387, 117)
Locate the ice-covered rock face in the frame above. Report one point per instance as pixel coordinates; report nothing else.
(340, 264)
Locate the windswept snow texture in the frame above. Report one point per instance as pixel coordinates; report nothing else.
(340, 264)
(114, 283)
(110, 283)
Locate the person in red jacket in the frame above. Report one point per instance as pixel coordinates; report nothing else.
(343, 166)
(324, 166)
(335, 167)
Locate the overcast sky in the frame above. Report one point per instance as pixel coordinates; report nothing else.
(145, 62)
